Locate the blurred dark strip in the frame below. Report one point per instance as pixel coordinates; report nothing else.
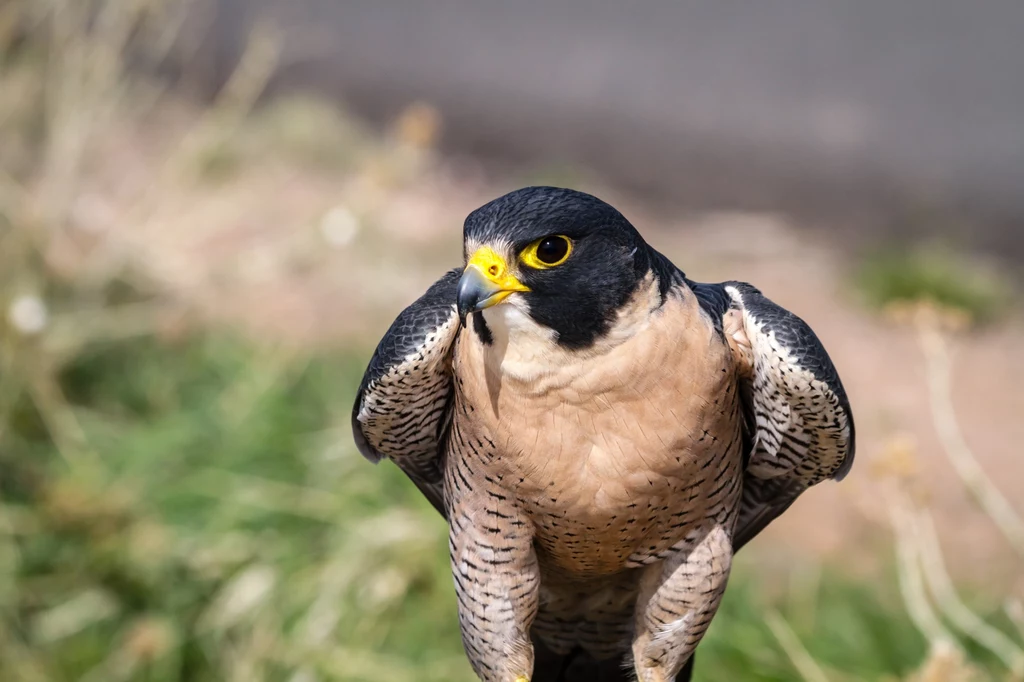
(864, 112)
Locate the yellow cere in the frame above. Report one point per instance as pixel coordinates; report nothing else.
(530, 258)
(495, 269)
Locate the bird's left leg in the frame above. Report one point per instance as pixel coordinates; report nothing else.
(677, 601)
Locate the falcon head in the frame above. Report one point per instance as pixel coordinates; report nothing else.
(551, 260)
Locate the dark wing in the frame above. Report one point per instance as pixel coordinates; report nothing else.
(800, 424)
(403, 404)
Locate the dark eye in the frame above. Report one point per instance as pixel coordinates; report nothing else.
(552, 250)
(547, 252)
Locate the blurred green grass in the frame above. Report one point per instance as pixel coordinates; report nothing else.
(224, 517)
(902, 274)
(225, 528)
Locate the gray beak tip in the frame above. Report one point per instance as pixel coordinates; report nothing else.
(473, 289)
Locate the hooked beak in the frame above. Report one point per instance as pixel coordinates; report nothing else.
(486, 281)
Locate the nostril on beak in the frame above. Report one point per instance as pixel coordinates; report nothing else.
(495, 270)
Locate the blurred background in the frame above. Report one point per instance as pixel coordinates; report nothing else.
(211, 210)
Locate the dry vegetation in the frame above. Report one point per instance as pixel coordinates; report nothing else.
(180, 500)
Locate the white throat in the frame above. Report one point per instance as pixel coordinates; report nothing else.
(524, 351)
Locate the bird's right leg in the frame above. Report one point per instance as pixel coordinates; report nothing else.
(497, 582)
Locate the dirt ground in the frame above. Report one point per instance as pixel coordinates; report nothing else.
(326, 257)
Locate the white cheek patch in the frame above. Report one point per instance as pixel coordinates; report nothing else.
(512, 318)
(526, 350)
(521, 349)
(514, 330)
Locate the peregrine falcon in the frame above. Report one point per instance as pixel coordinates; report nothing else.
(601, 434)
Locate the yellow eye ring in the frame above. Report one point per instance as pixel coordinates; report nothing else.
(547, 252)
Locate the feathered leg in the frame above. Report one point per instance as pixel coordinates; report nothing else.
(497, 584)
(685, 593)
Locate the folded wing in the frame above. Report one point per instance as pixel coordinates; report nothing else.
(799, 420)
(403, 405)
